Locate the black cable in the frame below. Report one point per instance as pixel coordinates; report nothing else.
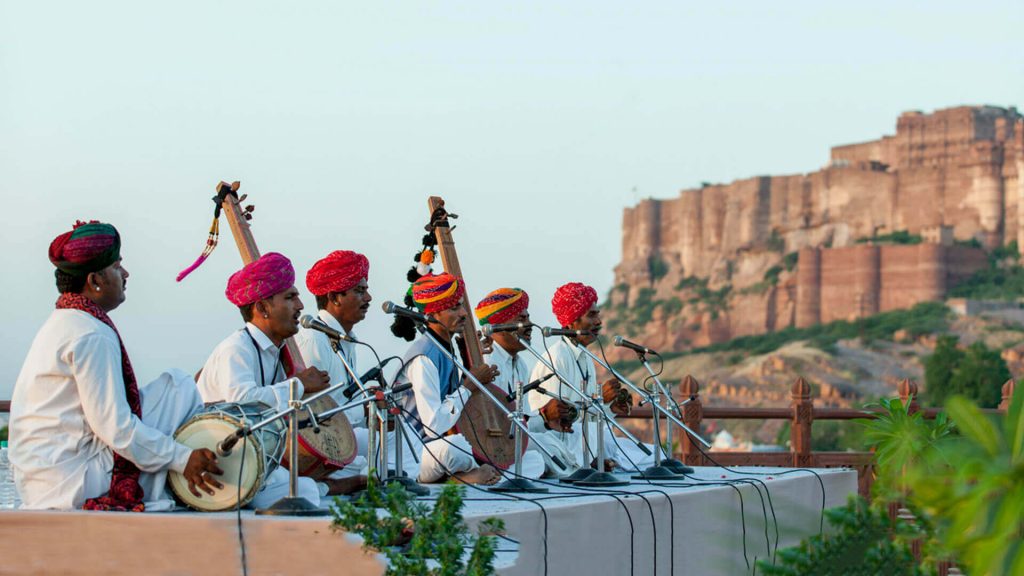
(238, 507)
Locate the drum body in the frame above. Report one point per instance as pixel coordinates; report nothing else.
(250, 462)
(332, 449)
(487, 429)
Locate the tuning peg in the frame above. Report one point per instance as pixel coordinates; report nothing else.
(242, 198)
(250, 208)
(235, 186)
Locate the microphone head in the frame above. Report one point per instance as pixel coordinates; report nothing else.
(487, 330)
(618, 340)
(546, 331)
(306, 321)
(388, 306)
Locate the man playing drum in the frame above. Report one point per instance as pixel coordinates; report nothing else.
(575, 307)
(248, 365)
(339, 283)
(438, 398)
(83, 433)
(511, 305)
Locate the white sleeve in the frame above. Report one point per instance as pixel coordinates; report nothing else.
(317, 351)
(437, 414)
(233, 379)
(96, 364)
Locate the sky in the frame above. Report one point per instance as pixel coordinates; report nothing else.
(538, 122)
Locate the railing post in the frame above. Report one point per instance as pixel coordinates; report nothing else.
(693, 413)
(800, 428)
(907, 389)
(1009, 389)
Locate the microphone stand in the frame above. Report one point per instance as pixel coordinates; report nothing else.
(656, 406)
(668, 462)
(587, 404)
(379, 436)
(517, 422)
(293, 504)
(518, 483)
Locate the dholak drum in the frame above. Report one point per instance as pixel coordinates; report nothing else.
(487, 428)
(332, 449)
(248, 465)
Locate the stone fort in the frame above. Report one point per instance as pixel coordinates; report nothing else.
(796, 250)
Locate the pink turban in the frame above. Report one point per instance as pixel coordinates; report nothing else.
(572, 301)
(340, 271)
(270, 274)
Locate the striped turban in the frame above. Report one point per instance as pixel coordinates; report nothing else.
(88, 247)
(270, 274)
(340, 271)
(572, 301)
(502, 305)
(436, 293)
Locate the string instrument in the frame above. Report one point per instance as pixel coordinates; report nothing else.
(482, 423)
(335, 445)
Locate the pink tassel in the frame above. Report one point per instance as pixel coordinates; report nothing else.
(187, 271)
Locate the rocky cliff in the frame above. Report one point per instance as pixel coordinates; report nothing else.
(886, 224)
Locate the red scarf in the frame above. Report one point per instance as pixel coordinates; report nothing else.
(125, 493)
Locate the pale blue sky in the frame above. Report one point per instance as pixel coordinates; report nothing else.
(534, 119)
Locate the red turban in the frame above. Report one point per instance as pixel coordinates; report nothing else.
(502, 305)
(270, 274)
(572, 301)
(437, 293)
(88, 247)
(340, 271)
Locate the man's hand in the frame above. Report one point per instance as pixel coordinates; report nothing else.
(202, 463)
(485, 373)
(609, 464)
(618, 398)
(557, 415)
(313, 380)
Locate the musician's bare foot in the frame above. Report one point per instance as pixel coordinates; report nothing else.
(485, 474)
(339, 486)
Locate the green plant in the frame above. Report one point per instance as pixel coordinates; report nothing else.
(439, 534)
(656, 267)
(900, 438)
(897, 237)
(863, 540)
(972, 487)
(789, 261)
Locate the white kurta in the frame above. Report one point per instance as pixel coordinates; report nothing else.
(318, 351)
(438, 456)
(69, 414)
(511, 371)
(233, 371)
(232, 374)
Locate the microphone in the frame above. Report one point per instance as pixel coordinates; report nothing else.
(564, 332)
(390, 307)
(370, 375)
(225, 446)
(531, 386)
(399, 388)
(620, 341)
(490, 329)
(311, 323)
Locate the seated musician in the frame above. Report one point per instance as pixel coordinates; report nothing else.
(438, 398)
(339, 282)
(511, 305)
(575, 307)
(83, 433)
(248, 366)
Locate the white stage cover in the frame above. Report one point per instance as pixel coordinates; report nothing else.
(697, 522)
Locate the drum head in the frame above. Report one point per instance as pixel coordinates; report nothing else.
(206, 431)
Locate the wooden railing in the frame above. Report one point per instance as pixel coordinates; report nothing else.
(801, 414)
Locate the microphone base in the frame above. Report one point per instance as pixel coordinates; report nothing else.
(658, 473)
(578, 475)
(408, 483)
(602, 479)
(676, 466)
(288, 506)
(517, 485)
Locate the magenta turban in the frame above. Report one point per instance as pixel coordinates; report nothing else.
(262, 278)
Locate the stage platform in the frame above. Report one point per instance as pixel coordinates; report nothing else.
(693, 526)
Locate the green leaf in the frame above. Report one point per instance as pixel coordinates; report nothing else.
(973, 424)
